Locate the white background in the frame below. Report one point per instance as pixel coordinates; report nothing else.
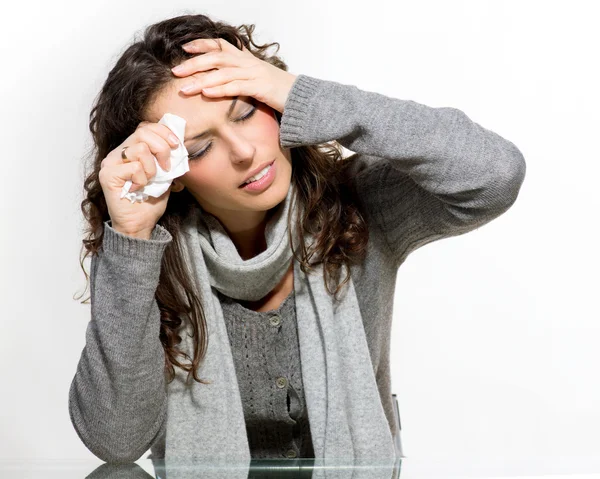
(495, 337)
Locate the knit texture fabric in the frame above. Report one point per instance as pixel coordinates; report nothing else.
(267, 362)
(421, 174)
(347, 419)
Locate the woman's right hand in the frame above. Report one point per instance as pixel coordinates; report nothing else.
(137, 219)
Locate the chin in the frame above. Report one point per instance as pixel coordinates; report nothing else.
(277, 192)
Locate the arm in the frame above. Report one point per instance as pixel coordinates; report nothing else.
(117, 399)
(423, 173)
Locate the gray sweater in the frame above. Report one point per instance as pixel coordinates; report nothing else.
(421, 173)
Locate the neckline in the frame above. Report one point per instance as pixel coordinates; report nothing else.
(235, 304)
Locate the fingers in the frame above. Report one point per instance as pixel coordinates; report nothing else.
(148, 141)
(207, 61)
(161, 130)
(160, 139)
(115, 176)
(207, 44)
(149, 144)
(134, 172)
(141, 153)
(208, 80)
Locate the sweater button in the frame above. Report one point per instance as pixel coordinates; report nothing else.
(275, 320)
(290, 453)
(281, 382)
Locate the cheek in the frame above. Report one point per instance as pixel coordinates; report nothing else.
(268, 125)
(203, 177)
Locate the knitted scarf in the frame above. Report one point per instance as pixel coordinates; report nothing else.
(346, 417)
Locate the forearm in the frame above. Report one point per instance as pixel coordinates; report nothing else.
(117, 398)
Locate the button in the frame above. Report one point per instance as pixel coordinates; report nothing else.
(281, 382)
(275, 320)
(290, 453)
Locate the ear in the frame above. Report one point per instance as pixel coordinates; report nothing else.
(176, 186)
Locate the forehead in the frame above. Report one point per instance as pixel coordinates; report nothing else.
(194, 109)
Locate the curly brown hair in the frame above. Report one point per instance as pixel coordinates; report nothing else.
(323, 189)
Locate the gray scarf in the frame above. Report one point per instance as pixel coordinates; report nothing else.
(346, 417)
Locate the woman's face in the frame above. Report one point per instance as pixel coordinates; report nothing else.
(232, 147)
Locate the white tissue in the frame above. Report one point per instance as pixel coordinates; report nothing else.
(159, 183)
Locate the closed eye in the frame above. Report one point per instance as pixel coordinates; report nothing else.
(239, 120)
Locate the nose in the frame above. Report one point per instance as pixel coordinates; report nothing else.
(242, 149)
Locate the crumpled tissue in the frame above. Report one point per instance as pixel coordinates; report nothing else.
(159, 183)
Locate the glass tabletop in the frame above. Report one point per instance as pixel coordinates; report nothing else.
(500, 467)
(160, 469)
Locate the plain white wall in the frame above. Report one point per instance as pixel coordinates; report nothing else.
(494, 351)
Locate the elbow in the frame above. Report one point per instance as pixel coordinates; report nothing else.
(495, 181)
(116, 457)
(491, 198)
(120, 458)
(110, 444)
(107, 451)
(510, 178)
(504, 190)
(503, 171)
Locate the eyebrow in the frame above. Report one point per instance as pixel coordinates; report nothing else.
(204, 133)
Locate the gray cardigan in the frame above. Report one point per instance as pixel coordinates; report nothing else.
(421, 174)
(266, 356)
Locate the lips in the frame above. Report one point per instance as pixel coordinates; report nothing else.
(256, 172)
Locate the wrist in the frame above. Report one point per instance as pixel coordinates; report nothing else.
(134, 233)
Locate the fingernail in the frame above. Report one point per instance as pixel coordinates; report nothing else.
(173, 139)
(177, 69)
(187, 88)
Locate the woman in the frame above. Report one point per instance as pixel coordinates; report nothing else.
(286, 360)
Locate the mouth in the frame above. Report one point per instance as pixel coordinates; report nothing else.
(267, 165)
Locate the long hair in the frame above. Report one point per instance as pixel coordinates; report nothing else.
(323, 190)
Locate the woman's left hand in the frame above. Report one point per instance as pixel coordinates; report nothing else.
(238, 73)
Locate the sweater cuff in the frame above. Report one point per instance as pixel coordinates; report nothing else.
(121, 244)
(296, 110)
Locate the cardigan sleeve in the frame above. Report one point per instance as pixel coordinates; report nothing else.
(422, 173)
(118, 398)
